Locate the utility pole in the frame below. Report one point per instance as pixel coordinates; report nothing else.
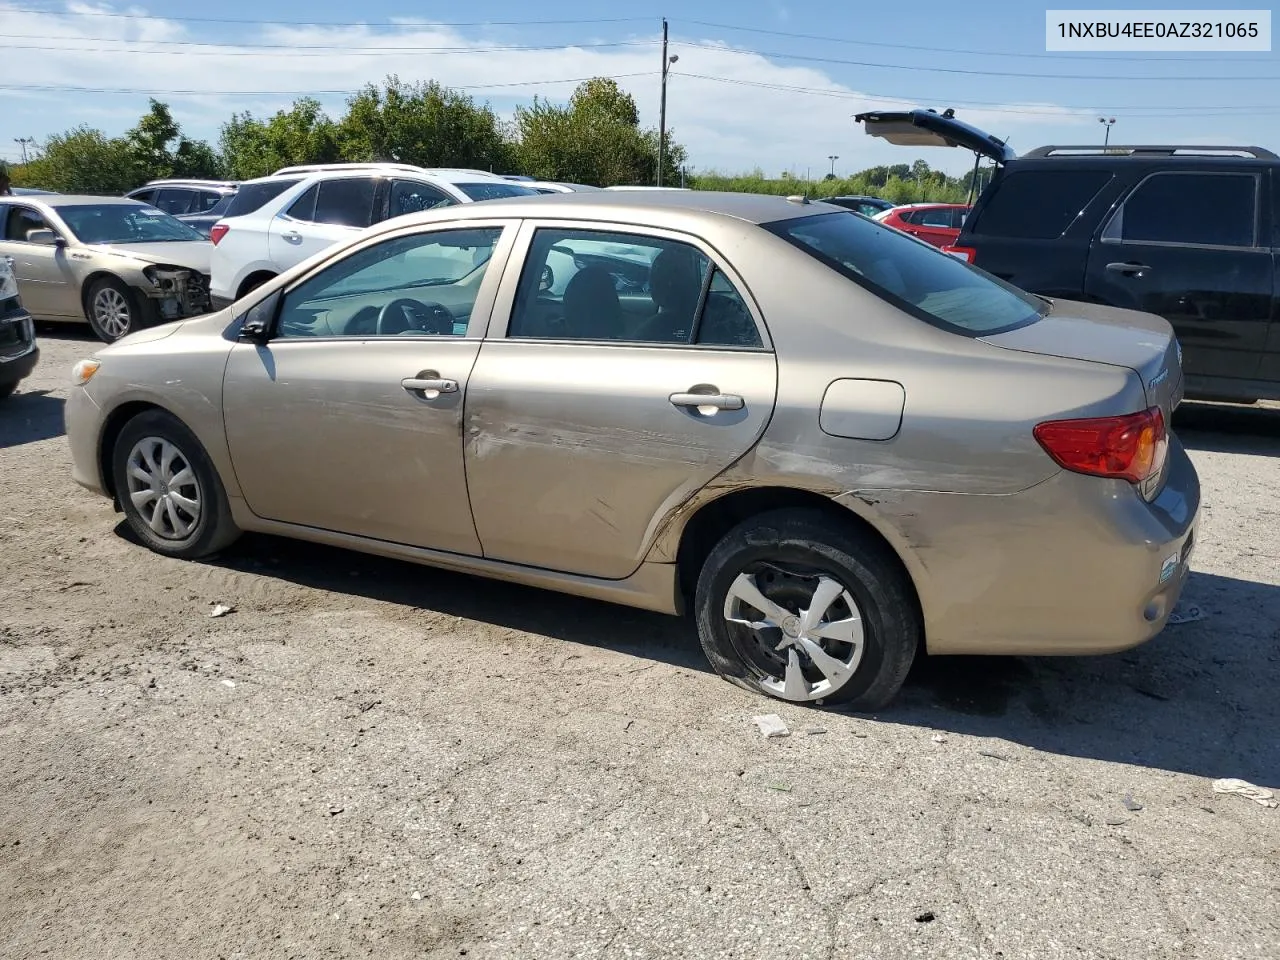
(662, 110)
(22, 142)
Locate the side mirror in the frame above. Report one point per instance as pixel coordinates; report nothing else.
(45, 237)
(256, 327)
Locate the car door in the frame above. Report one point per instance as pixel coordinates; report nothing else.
(327, 212)
(1269, 365)
(585, 427)
(348, 417)
(45, 281)
(1186, 245)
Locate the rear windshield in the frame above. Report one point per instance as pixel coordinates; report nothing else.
(481, 190)
(251, 196)
(1037, 204)
(927, 283)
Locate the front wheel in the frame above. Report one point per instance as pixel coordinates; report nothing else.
(111, 309)
(169, 490)
(798, 607)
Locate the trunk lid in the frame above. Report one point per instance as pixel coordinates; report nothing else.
(1143, 342)
(928, 128)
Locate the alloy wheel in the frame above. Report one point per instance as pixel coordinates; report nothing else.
(111, 311)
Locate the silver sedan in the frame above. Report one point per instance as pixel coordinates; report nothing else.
(829, 443)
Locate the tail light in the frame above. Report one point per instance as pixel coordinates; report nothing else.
(1132, 447)
(967, 254)
(217, 232)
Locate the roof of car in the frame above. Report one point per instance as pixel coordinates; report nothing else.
(639, 207)
(75, 200)
(189, 182)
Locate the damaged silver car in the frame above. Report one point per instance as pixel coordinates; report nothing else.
(117, 263)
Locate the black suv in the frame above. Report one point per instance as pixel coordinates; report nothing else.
(1190, 233)
(197, 203)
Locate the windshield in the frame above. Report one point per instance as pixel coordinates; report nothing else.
(922, 280)
(124, 223)
(480, 190)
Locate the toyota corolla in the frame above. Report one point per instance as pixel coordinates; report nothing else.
(829, 444)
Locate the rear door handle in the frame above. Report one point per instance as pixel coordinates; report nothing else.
(293, 236)
(430, 387)
(714, 401)
(1129, 269)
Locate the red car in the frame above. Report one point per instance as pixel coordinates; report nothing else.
(935, 223)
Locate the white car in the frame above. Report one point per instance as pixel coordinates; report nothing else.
(278, 221)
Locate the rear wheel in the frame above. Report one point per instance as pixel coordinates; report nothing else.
(802, 609)
(169, 490)
(111, 309)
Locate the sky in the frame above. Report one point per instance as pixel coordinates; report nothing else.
(770, 85)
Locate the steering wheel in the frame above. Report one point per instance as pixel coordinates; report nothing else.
(404, 314)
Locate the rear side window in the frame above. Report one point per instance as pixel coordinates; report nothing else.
(1200, 209)
(205, 201)
(1038, 204)
(252, 196)
(347, 202)
(173, 201)
(928, 284)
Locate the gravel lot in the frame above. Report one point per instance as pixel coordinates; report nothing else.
(369, 758)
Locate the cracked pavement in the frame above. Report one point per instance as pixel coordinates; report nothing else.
(368, 758)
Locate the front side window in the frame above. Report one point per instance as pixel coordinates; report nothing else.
(597, 285)
(1200, 209)
(347, 202)
(21, 221)
(421, 285)
(414, 196)
(124, 223)
(928, 284)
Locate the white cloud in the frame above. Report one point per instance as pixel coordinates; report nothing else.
(740, 121)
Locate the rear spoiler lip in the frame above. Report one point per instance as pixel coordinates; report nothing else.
(947, 131)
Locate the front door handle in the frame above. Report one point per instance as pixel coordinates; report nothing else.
(293, 236)
(708, 402)
(1129, 269)
(429, 387)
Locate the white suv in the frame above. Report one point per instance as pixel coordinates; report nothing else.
(277, 221)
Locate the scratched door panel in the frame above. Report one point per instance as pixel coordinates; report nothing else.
(575, 452)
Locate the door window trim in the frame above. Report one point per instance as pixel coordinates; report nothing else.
(481, 310)
(504, 305)
(1118, 206)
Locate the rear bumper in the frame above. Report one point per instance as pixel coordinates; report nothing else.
(1072, 566)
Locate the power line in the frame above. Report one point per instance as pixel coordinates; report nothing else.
(959, 70)
(141, 92)
(987, 105)
(327, 23)
(238, 49)
(969, 53)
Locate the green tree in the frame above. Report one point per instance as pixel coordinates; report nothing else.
(302, 134)
(82, 160)
(423, 124)
(595, 139)
(160, 149)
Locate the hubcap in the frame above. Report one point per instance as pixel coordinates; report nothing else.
(163, 488)
(801, 630)
(111, 310)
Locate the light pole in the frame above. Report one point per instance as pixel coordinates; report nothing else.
(1106, 139)
(667, 61)
(22, 142)
(833, 158)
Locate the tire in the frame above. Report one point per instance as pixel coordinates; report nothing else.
(112, 309)
(788, 556)
(253, 283)
(6, 389)
(145, 443)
